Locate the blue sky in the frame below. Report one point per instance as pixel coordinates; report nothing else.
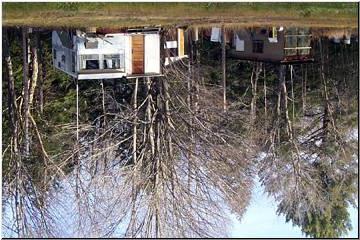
(260, 220)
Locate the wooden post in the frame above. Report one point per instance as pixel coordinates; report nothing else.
(223, 44)
(135, 120)
(77, 111)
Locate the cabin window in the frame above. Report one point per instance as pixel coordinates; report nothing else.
(63, 58)
(291, 45)
(297, 42)
(92, 64)
(91, 45)
(258, 46)
(90, 61)
(54, 53)
(113, 61)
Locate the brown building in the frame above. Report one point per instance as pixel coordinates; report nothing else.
(279, 45)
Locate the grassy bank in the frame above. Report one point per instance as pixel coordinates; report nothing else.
(141, 14)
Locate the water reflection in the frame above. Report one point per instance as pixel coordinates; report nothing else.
(155, 132)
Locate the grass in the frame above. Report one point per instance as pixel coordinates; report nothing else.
(82, 14)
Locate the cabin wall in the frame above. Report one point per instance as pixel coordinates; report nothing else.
(64, 58)
(111, 44)
(271, 51)
(152, 53)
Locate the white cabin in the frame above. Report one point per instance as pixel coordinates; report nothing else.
(112, 55)
(115, 55)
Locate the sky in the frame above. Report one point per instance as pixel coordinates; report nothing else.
(261, 220)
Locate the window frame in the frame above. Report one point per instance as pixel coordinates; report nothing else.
(256, 44)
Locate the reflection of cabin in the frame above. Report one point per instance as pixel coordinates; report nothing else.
(272, 44)
(107, 54)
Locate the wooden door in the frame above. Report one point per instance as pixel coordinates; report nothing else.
(138, 54)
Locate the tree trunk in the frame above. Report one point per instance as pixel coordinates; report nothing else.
(325, 93)
(26, 92)
(168, 131)
(103, 102)
(149, 116)
(35, 69)
(42, 76)
(254, 79)
(303, 93)
(292, 94)
(158, 162)
(104, 142)
(190, 108)
(285, 97)
(278, 107)
(134, 184)
(12, 109)
(265, 100)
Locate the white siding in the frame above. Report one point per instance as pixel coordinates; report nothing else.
(128, 55)
(66, 65)
(152, 53)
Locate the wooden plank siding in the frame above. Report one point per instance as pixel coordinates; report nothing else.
(138, 54)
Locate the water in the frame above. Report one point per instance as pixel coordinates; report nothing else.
(131, 133)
